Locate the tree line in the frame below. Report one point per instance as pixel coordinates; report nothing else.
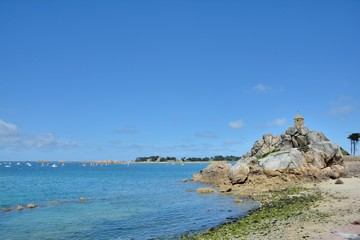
(185, 159)
(354, 139)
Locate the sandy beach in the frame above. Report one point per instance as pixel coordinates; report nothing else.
(340, 208)
(316, 210)
(342, 204)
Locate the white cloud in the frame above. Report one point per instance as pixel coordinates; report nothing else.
(7, 128)
(342, 107)
(231, 142)
(11, 138)
(261, 88)
(279, 122)
(208, 135)
(236, 124)
(340, 110)
(127, 130)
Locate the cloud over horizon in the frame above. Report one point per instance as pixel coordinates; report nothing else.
(261, 88)
(127, 130)
(342, 107)
(11, 138)
(279, 122)
(340, 110)
(237, 124)
(207, 135)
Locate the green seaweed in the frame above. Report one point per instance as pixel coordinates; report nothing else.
(278, 206)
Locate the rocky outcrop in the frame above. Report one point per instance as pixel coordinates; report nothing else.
(215, 174)
(283, 160)
(297, 147)
(296, 153)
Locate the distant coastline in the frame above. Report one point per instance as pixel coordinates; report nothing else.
(138, 160)
(105, 162)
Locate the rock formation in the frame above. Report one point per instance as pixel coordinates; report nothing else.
(298, 153)
(216, 174)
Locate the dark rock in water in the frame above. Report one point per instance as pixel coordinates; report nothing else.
(339, 181)
(6, 209)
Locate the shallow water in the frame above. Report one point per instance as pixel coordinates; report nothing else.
(139, 201)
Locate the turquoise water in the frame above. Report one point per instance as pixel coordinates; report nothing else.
(139, 201)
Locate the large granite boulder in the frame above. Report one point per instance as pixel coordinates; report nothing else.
(239, 173)
(283, 160)
(216, 174)
(333, 172)
(315, 158)
(314, 137)
(330, 150)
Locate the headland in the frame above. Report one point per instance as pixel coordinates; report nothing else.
(307, 185)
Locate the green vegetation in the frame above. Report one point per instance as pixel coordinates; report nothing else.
(278, 207)
(267, 154)
(155, 159)
(191, 159)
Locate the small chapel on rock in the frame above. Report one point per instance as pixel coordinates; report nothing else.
(298, 120)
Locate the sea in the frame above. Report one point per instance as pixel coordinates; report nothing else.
(128, 201)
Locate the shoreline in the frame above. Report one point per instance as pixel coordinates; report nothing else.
(308, 210)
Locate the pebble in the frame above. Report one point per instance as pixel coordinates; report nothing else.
(339, 181)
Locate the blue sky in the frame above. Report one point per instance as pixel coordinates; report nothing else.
(94, 80)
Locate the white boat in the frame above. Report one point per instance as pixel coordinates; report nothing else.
(54, 165)
(18, 163)
(7, 165)
(29, 164)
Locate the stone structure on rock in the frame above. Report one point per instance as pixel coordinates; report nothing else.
(298, 120)
(298, 151)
